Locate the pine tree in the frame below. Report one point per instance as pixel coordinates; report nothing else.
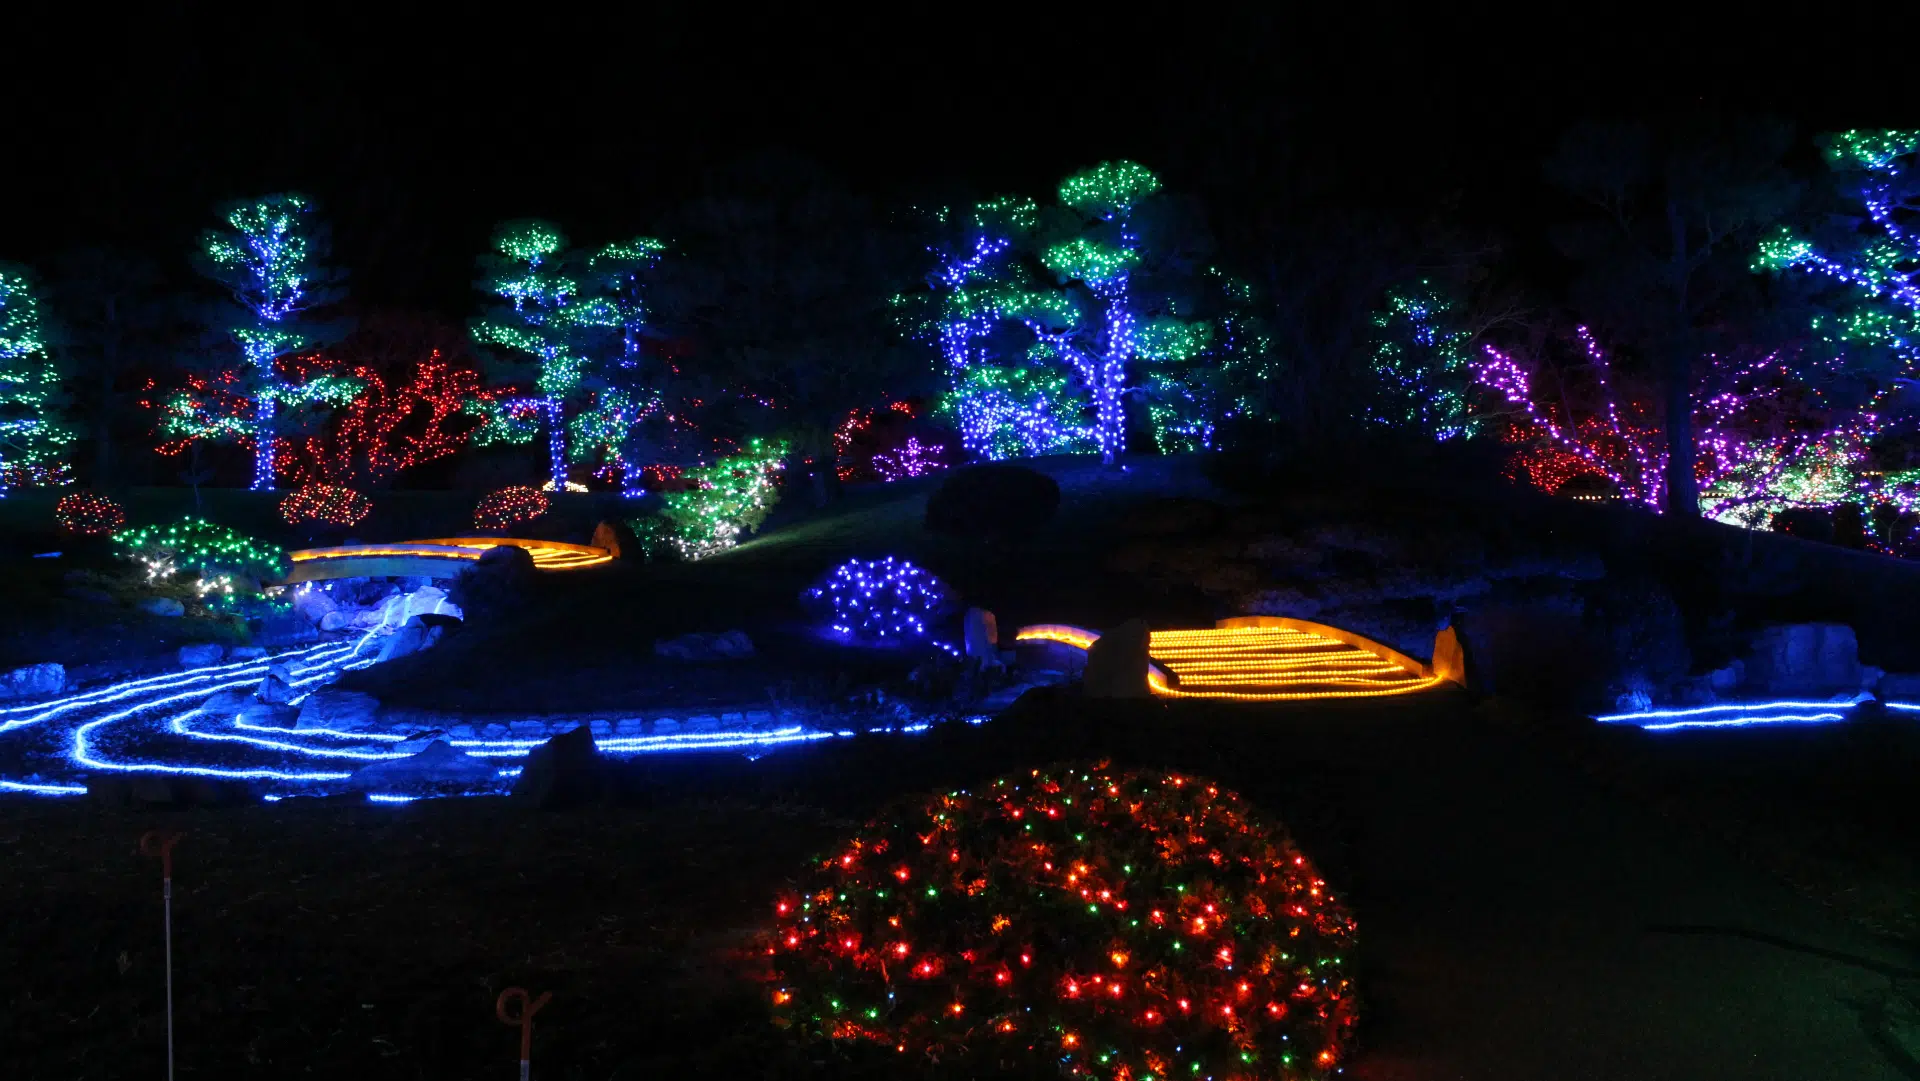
(33, 435)
(269, 257)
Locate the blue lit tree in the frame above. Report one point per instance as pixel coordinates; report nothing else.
(1069, 282)
(1419, 354)
(268, 256)
(641, 404)
(33, 436)
(1869, 253)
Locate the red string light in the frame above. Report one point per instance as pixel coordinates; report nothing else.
(88, 514)
(330, 503)
(1021, 907)
(500, 509)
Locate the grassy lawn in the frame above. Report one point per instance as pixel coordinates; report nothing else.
(1516, 919)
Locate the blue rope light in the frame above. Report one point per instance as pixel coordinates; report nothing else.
(1733, 715)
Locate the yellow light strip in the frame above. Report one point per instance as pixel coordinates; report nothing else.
(547, 555)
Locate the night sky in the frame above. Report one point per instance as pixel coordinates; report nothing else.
(418, 137)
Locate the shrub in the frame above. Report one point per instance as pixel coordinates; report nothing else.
(88, 514)
(332, 504)
(715, 504)
(1101, 922)
(501, 509)
(998, 501)
(195, 544)
(879, 601)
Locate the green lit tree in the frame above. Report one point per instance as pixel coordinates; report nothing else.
(269, 257)
(541, 325)
(1419, 354)
(34, 436)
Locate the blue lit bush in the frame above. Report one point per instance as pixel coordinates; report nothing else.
(879, 601)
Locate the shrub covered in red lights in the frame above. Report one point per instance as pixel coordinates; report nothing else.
(332, 504)
(501, 509)
(88, 514)
(1118, 924)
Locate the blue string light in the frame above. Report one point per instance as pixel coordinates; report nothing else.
(881, 601)
(1733, 715)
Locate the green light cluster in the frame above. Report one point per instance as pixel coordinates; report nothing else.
(1110, 189)
(1871, 149)
(722, 502)
(33, 436)
(1420, 364)
(1090, 261)
(1772, 478)
(199, 545)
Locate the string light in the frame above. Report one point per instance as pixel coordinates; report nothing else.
(330, 503)
(880, 601)
(199, 545)
(1421, 365)
(719, 502)
(33, 438)
(88, 514)
(501, 509)
(1048, 916)
(268, 258)
(1262, 663)
(1734, 715)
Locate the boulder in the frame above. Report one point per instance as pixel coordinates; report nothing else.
(1805, 659)
(412, 638)
(341, 711)
(498, 582)
(201, 654)
(1117, 663)
(162, 606)
(277, 688)
(246, 653)
(34, 679)
(727, 645)
(616, 538)
(439, 763)
(982, 635)
(89, 594)
(336, 620)
(566, 771)
(313, 604)
(1450, 656)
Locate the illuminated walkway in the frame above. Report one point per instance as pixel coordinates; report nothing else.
(1266, 659)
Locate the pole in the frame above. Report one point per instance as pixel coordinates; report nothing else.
(158, 843)
(524, 1020)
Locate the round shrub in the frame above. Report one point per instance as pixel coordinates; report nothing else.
(331, 504)
(997, 501)
(879, 601)
(88, 514)
(501, 509)
(1111, 923)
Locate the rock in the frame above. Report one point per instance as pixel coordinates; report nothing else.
(89, 594)
(201, 654)
(727, 645)
(313, 604)
(34, 679)
(1728, 679)
(158, 790)
(630, 726)
(341, 711)
(446, 622)
(162, 606)
(702, 724)
(462, 731)
(412, 638)
(1632, 702)
(1450, 656)
(398, 609)
(336, 621)
(982, 633)
(665, 726)
(615, 537)
(246, 653)
(498, 582)
(1117, 663)
(367, 619)
(439, 763)
(600, 729)
(496, 732)
(1898, 687)
(566, 771)
(1805, 659)
(277, 688)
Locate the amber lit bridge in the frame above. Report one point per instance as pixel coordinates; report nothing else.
(438, 558)
(1276, 659)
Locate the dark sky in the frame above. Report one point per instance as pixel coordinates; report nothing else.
(418, 136)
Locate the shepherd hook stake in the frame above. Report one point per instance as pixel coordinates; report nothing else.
(160, 843)
(524, 1020)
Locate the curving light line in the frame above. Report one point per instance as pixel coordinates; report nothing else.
(1724, 707)
(121, 691)
(42, 789)
(1743, 722)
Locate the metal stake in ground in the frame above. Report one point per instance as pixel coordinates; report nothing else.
(160, 843)
(524, 1020)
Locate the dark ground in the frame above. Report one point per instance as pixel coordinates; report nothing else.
(1519, 919)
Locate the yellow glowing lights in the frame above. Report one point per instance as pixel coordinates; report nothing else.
(547, 555)
(1259, 659)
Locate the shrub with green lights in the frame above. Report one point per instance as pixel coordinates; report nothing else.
(1112, 923)
(720, 502)
(195, 544)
